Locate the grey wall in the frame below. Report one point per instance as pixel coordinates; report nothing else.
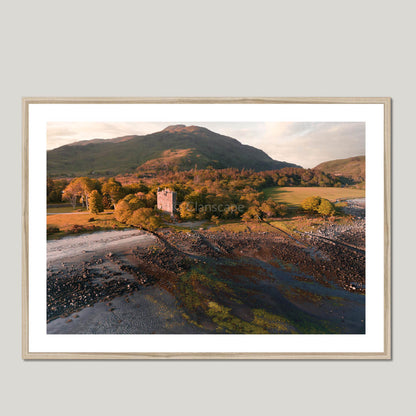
(208, 48)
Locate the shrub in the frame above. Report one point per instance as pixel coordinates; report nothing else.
(145, 218)
(77, 228)
(318, 205)
(215, 220)
(326, 208)
(311, 204)
(52, 229)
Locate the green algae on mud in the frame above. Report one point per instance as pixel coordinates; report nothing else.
(220, 283)
(224, 298)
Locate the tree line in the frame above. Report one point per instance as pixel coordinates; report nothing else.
(201, 194)
(217, 178)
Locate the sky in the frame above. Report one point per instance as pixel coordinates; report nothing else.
(304, 143)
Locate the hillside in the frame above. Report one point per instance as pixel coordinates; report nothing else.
(353, 167)
(176, 147)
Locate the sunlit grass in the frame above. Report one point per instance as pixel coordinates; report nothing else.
(65, 223)
(295, 195)
(64, 210)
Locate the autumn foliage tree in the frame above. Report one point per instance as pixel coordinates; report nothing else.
(147, 219)
(71, 193)
(125, 208)
(252, 214)
(80, 188)
(271, 208)
(326, 208)
(95, 201)
(131, 210)
(318, 205)
(231, 211)
(54, 189)
(311, 204)
(187, 210)
(114, 190)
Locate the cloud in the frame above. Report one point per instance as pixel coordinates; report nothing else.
(304, 143)
(309, 144)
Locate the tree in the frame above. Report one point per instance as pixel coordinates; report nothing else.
(197, 198)
(252, 197)
(282, 181)
(122, 212)
(95, 202)
(71, 193)
(134, 188)
(326, 208)
(87, 185)
(231, 212)
(311, 203)
(150, 200)
(80, 188)
(187, 210)
(124, 209)
(145, 218)
(54, 189)
(107, 203)
(252, 214)
(269, 208)
(114, 190)
(319, 205)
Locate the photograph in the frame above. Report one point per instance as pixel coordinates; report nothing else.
(200, 228)
(204, 226)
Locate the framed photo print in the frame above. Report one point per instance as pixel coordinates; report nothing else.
(206, 228)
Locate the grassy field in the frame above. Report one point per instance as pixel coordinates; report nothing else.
(289, 224)
(64, 210)
(84, 221)
(295, 195)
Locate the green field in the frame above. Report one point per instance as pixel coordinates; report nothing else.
(295, 195)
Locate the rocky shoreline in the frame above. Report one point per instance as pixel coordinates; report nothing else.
(271, 261)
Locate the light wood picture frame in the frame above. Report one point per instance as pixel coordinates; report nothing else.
(375, 340)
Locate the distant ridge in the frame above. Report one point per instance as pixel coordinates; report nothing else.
(94, 141)
(352, 167)
(175, 147)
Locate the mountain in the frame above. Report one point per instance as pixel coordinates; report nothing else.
(353, 167)
(176, 147)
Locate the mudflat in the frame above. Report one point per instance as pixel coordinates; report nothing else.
(131, 282)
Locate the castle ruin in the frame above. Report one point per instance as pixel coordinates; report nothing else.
(166, 201)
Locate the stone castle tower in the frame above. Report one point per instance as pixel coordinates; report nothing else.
(166, 201)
